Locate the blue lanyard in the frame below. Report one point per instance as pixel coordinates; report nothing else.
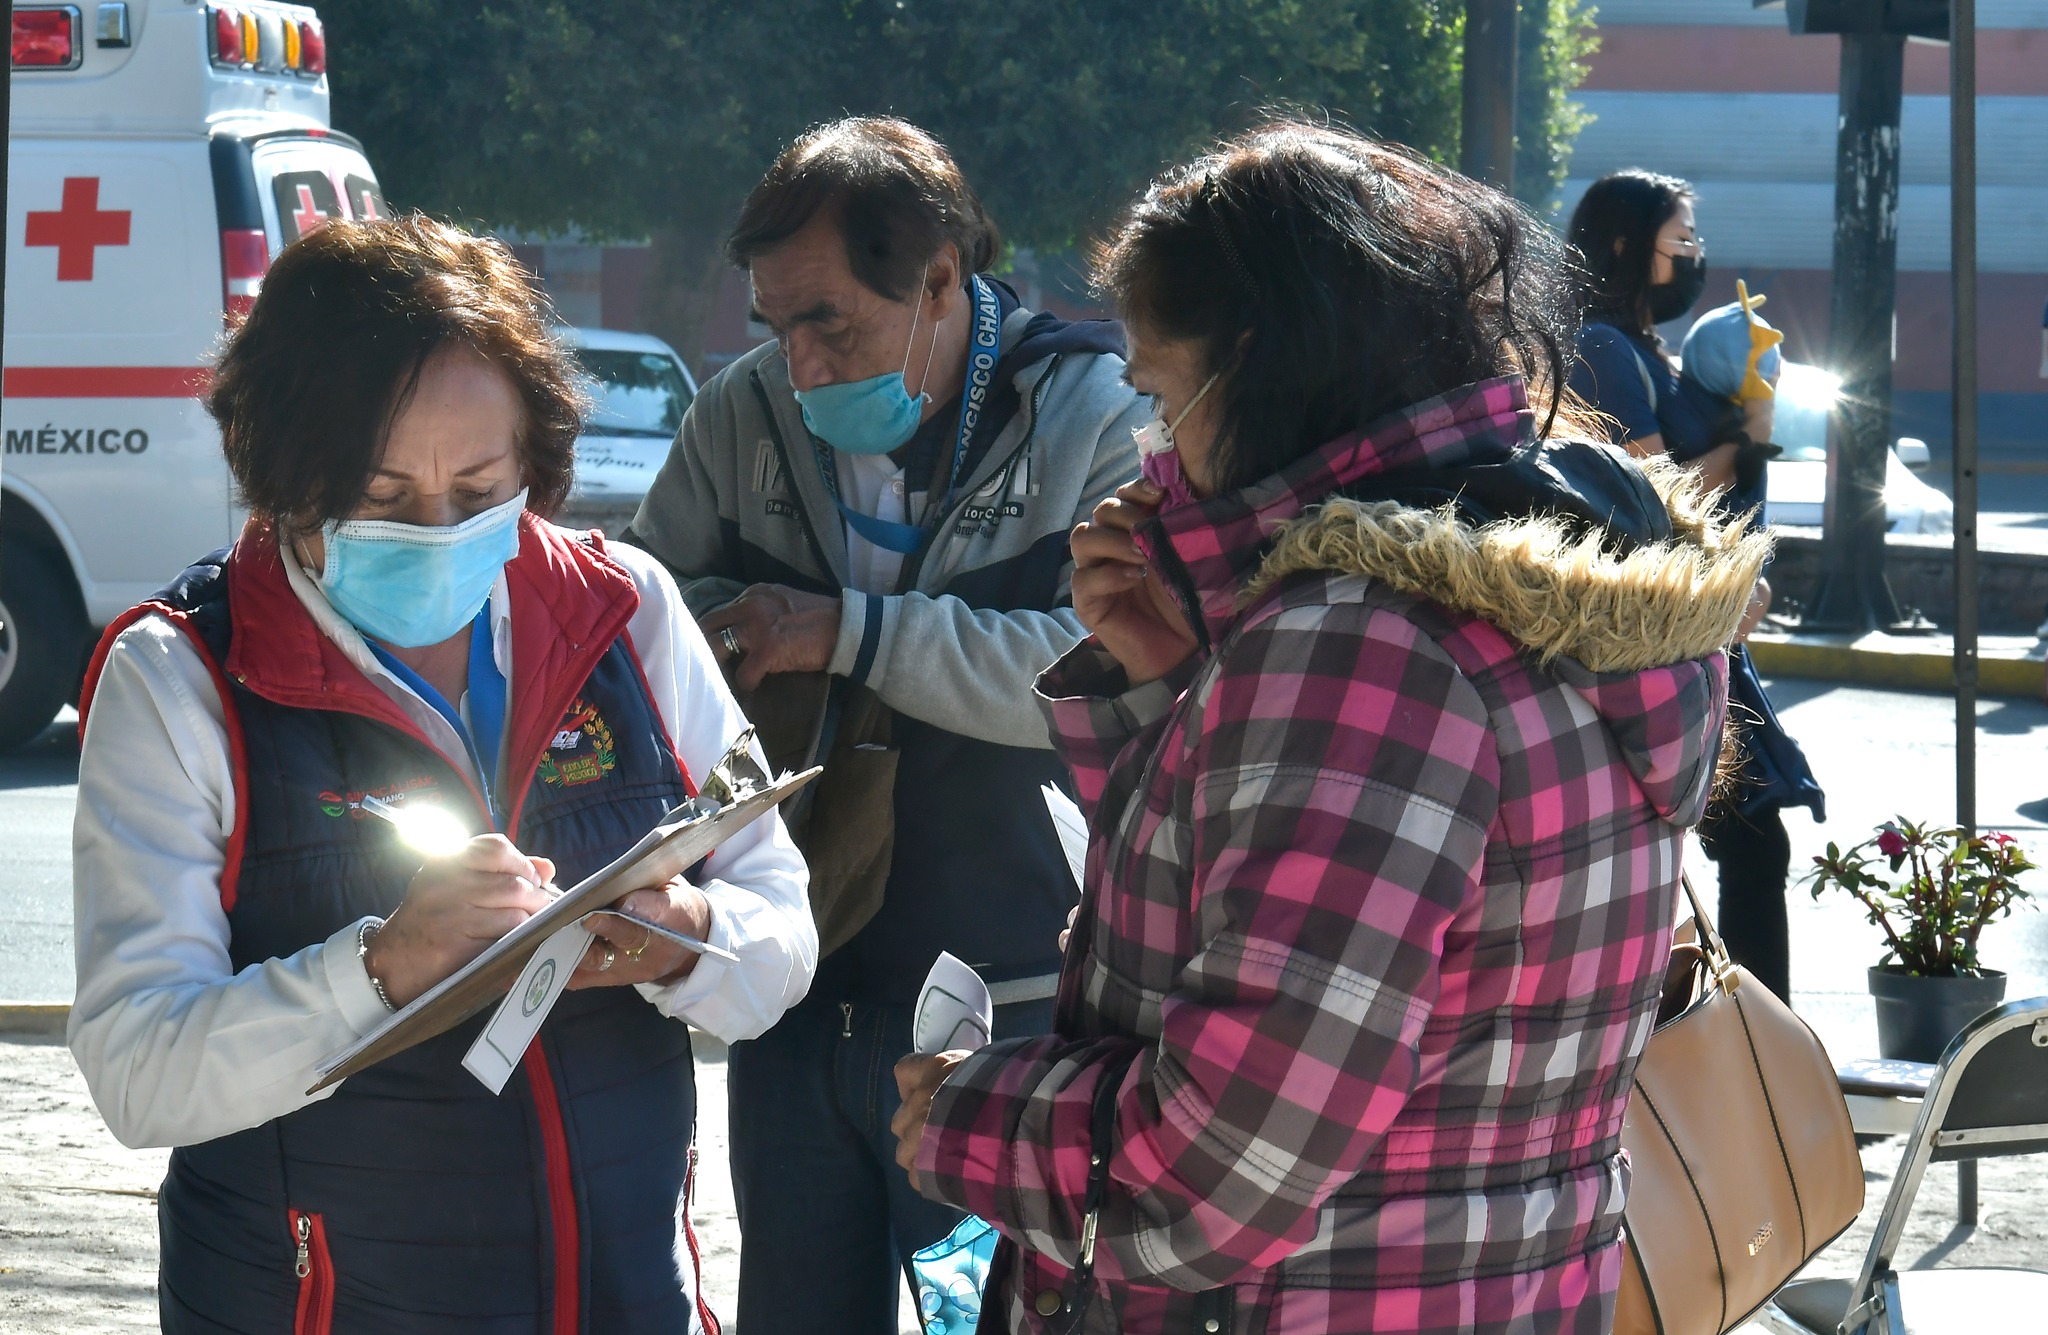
(486, 731)
(908, 539)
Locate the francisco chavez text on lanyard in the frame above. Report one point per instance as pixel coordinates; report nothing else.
(908, 539)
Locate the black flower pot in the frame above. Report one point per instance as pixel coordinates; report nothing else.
(1917, 1015)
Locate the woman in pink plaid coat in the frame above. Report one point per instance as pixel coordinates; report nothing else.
(1397, 705)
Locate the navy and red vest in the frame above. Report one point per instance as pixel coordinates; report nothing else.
(414, 1199)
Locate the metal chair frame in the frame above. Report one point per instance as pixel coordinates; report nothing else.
(1874, 1303)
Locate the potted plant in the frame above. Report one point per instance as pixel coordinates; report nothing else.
(1929, 984)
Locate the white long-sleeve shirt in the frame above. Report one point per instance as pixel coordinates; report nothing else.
(176, 1047)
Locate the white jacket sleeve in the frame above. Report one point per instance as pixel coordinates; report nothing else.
(756, 881)
(175, 1046)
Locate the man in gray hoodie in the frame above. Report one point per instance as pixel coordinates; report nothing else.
(881, 498)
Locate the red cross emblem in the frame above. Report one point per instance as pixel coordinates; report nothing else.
(307, 217)
(78, 227)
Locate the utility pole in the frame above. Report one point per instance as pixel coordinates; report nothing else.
(1853, 594)
(1962, 204)
(1486, 140)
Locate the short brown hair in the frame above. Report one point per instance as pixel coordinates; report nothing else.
(895, 192)
(308, 386)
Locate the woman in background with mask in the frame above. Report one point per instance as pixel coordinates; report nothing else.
(1644, 265)
(397, 627)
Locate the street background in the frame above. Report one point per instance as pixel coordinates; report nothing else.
(77, 1212)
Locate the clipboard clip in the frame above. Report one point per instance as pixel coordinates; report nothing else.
(735, 778)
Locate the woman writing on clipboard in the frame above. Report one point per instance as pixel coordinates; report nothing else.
(399, 624)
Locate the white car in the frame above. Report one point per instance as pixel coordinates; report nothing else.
(641, 390)
(1796, 483)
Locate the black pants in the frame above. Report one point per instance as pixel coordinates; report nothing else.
(1754, 855)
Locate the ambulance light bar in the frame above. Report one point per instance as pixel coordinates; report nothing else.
(267, 42)
(47, 38)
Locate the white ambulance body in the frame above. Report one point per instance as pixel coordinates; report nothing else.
(161, 153)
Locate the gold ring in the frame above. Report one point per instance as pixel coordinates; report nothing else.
(646, 940)
(611, 957)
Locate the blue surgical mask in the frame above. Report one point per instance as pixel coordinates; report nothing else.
(417, 584)
(872, 416)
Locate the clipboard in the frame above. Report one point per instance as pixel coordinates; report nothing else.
(736, 792)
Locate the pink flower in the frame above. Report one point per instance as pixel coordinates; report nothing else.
(1999, 838)
(1891, 843)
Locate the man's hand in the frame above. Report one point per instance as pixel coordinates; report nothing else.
(917, 1079)
(777, 629)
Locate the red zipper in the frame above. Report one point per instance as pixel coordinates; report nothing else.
(316, 1275)
(710, 1322)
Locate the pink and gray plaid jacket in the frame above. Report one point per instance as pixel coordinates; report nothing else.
(1381, 903)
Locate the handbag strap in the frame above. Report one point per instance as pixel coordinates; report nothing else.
(1101, 1136)
(1718, 960)
(1212, 1307)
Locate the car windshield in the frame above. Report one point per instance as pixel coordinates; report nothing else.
(637, 393)
(1799, 420)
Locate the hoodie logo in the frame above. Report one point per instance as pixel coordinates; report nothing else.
(1001, 497)
(581, 750)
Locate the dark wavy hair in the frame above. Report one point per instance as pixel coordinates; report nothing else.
(1334, 279)
(309, 385)
(894, 191)
(1614, 234)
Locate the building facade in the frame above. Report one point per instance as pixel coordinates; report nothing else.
(1720, 93)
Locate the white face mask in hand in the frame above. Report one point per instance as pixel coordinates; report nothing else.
(1157, 458)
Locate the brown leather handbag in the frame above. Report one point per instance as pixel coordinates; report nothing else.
(1744, 1163)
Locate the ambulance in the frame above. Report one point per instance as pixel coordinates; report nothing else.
(161, 154)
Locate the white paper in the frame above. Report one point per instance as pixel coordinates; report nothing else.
(1071, 826)
(499, 1048)
(954, 1011)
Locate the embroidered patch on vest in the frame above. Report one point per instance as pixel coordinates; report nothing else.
(419, 788)
(581, 751)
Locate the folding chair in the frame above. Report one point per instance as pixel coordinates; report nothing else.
(1988, 1099)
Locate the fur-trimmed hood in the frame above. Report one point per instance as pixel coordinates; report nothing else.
(1636, 629)
(1561, 595)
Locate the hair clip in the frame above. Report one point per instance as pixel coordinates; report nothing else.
(1229, 247)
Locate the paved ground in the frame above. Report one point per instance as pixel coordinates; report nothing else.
(78, 1214)
(78, 1211)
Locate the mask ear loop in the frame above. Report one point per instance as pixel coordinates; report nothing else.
(926, 378)
(1182, 415)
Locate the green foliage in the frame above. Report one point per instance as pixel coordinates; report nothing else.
(631, 118)
(1557, 39)
(1931, 918)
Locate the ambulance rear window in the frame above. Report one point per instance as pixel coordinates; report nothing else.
(305, 202)
(365, 200)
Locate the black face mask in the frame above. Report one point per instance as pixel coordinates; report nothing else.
(1670, 300)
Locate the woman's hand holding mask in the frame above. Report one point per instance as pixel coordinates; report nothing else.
(1117, 596)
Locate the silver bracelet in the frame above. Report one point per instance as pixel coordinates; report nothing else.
(363, 934)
